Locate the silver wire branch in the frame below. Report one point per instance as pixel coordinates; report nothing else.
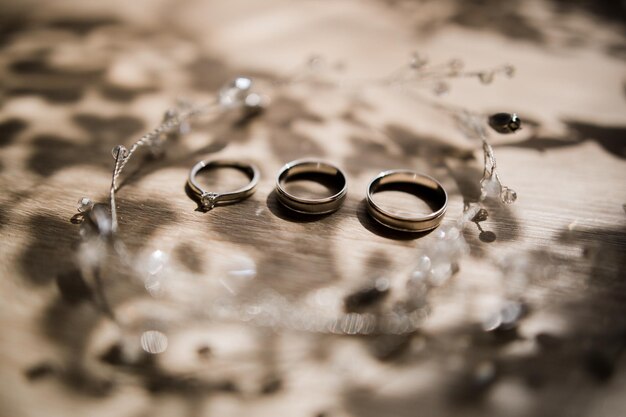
(122, 155)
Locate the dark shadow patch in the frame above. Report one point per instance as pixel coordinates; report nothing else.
(432, 149)
(189, 256)
(49, 253)
(9, 129)
(610, 138)
(84, 25)
(610, 10)
(122, 94)
(36, 77)
(139, 220)
(11, 25)
(367, 156)
(53, 153)
(209, 74)
(112, 128)
(505, 19)
(73, 287)
(40, 371)
(288, 145)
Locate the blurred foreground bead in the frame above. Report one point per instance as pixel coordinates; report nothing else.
(153, 341)
(506, 317)
(255, 103)
(491, 187)
(84, 204)
(235, 92)
(505, 122)
(100, 218)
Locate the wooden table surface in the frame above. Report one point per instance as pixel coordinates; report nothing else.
(78, 78)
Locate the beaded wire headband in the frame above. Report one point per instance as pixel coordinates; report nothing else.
(435, 264)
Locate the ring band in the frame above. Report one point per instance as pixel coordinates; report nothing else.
(438, 200)
(304, 167)
(211, 199)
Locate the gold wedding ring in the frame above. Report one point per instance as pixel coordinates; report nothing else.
(422, 186)
(311, 169)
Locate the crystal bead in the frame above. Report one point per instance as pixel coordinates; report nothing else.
(508, 196)
(491, 322)
(511, 313)
(101, 219)
(491, 187)
(423, 263)
(449, 233)
(485, 77)
(156, 262)
(440, 273)
(84, 204)
(119, 152)
(240, 272)
(235, 92)
(417, 277)
(255, 103)
(382, 284)
(154, 286)
(505, 122)
(153, 341)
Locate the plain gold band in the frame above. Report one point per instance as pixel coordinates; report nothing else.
(408, 223)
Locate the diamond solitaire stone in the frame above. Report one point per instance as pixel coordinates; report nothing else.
(208, 200)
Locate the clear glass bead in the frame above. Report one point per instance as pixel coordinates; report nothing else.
(509, 70)
(240, 271)
(510, 313)
(153, 341)
(84, 204)
(235, 92)
(492, 321)
(119, 152)
(508, 196)
(491, 187)
(156, 262)
(423, 263)
(440, 273)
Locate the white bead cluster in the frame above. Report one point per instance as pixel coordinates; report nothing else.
(437, 262)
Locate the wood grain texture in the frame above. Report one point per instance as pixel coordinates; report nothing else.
(79, 79)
